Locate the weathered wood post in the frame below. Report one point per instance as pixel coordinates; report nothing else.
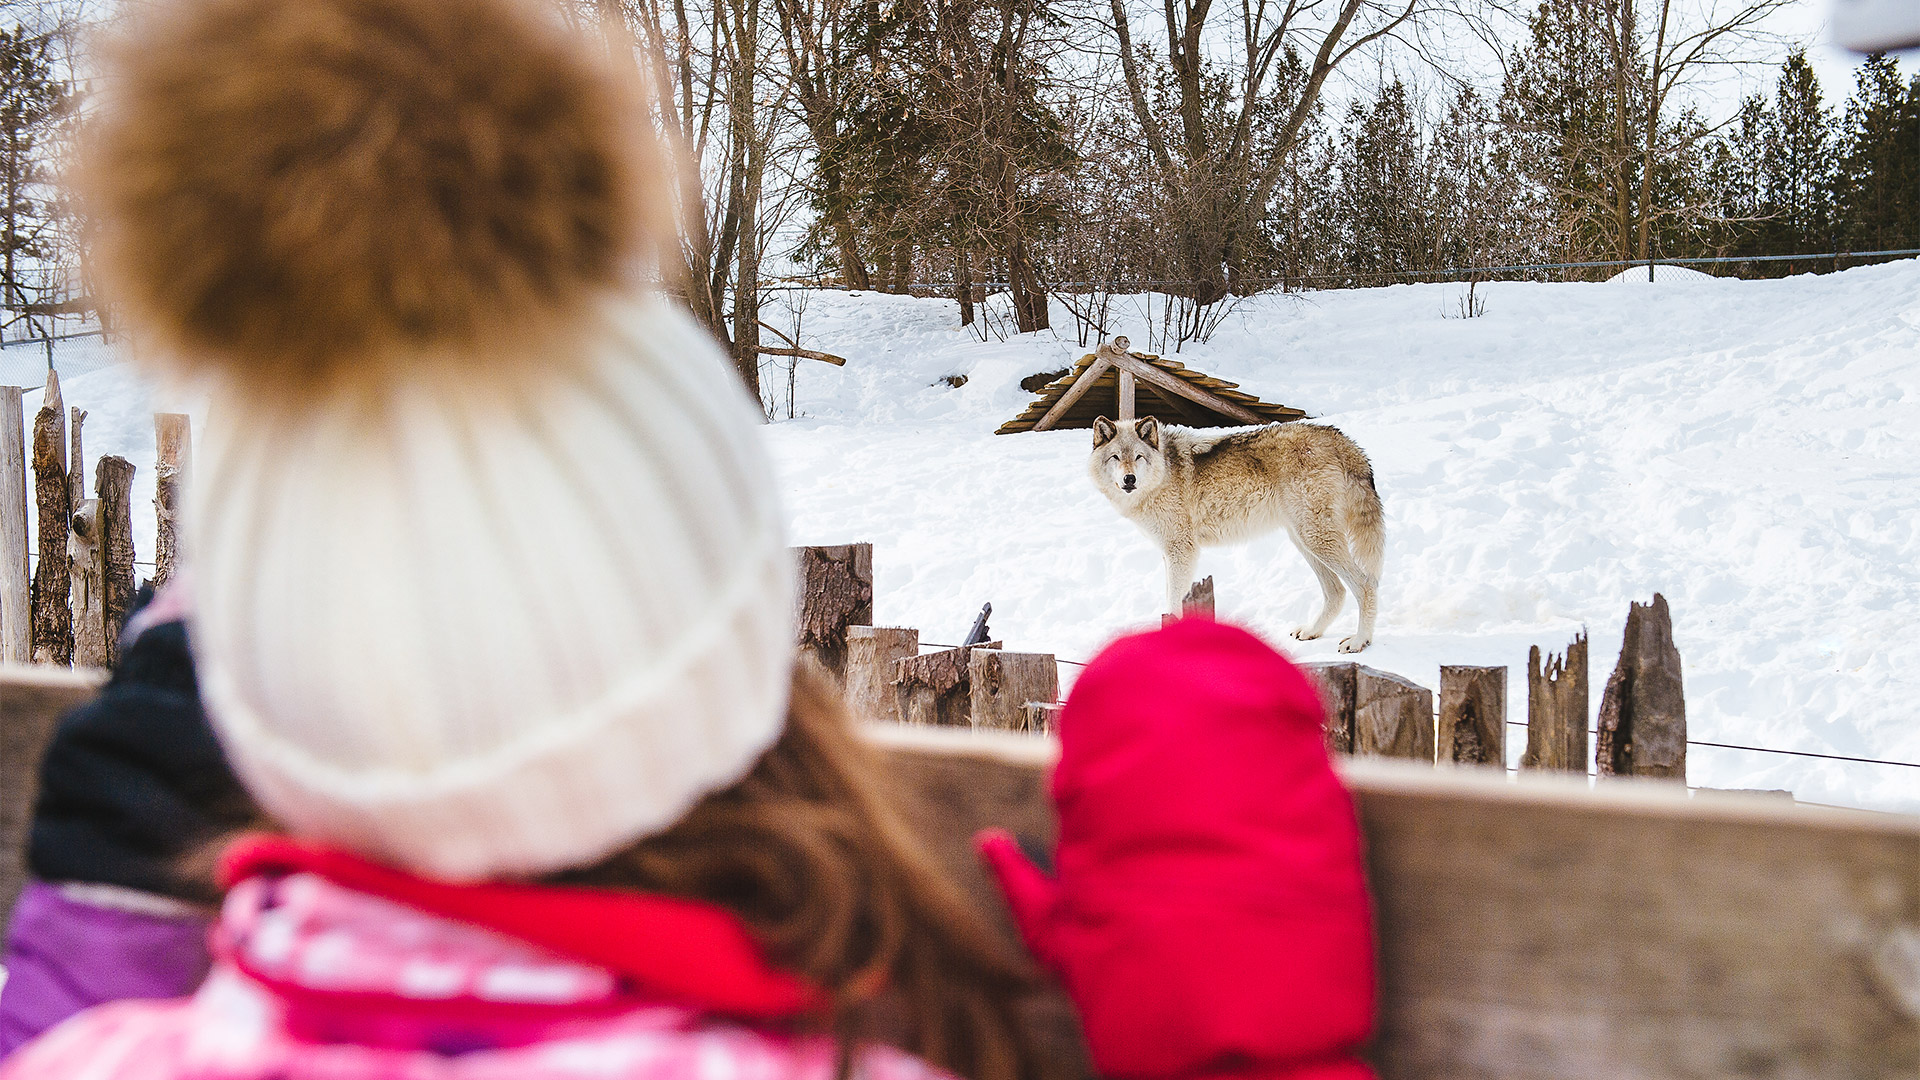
(16, 604)
(1000, 686)
(1375, 712)
(872, 653)
(836, 592)
(31, 703)
(1336, 682)
(173, 469)
(77, 459)
(1473, 716)
(87, 587)
(1557, 709)
(1643, 710)
(113, 481)
(933, 689)
(1197, 604)
(53, 519)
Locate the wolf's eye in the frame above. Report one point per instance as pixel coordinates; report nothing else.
(1115, 459)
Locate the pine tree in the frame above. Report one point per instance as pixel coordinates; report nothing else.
(1880, 160)
(1797, 163)
(30, 101)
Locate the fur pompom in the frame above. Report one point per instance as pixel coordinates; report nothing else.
(297, 193)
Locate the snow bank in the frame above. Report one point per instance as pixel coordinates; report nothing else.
(1662, 274)
(1751, 449)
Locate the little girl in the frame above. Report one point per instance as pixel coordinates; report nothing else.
(492, 607)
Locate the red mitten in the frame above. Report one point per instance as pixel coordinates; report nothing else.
(1210, 913)
(1031, 894)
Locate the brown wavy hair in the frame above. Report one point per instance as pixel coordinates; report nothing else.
(811, 850)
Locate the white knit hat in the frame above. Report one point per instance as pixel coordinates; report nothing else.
(492, 636)
(488, 571)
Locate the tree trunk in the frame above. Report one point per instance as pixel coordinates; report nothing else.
(1653, 130)
(1023, 284)
(750, 159)
(963, 284)
(900, 267)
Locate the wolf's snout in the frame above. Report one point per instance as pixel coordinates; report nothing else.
(1126, 482)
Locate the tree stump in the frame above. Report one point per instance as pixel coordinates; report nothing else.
(1473, 716)
(1370, 711)
(16, 602)
(933, 689)
(1643, 710)
(53, 505)
(1557, 710)
(173, 468)
(113, 481)
(836, 592)
(872, 653)
(1000, 686)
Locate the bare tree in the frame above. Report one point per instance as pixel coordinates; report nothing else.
(1220, 155)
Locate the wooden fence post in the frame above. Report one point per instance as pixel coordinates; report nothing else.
(872, 652)
(173, 470)
(836, 592)
(113, 481)
(933, 689)
(77, 459)
(52, 496)
(16, 604)
(1392, 716)
(1000, 686)
(1370, 711)
(88, 587)
(1336, 682)
(1473, 716)
(1643, 710)
(1557, 709)
(1198, 602)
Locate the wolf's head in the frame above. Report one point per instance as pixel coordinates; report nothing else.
(1128, 461)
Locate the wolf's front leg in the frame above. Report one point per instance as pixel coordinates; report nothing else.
(1180, 556)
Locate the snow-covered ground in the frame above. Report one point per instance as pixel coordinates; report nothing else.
(1750, 449)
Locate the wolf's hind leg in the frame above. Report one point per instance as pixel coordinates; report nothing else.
(1334, 594)
(1331, 550)
(1368, 593)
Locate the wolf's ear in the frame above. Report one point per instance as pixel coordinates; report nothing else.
(1103, 431)
(1148, 428)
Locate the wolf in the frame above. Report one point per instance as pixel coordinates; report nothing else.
(1187, 490)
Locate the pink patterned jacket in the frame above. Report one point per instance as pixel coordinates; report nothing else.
(319, 981)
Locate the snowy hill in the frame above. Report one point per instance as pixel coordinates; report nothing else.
(1751, 449)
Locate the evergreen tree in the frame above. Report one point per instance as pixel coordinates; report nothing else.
(1797, 163)
(1880, 160)
(30, 101)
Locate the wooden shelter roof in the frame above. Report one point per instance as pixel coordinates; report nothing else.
(1102, 397)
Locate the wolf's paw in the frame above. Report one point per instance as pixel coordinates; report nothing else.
(1306, 633)
(1354, 643)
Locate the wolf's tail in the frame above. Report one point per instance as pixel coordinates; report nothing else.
(1366, 521)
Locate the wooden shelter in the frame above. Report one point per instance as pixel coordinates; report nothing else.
(1116, 382)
